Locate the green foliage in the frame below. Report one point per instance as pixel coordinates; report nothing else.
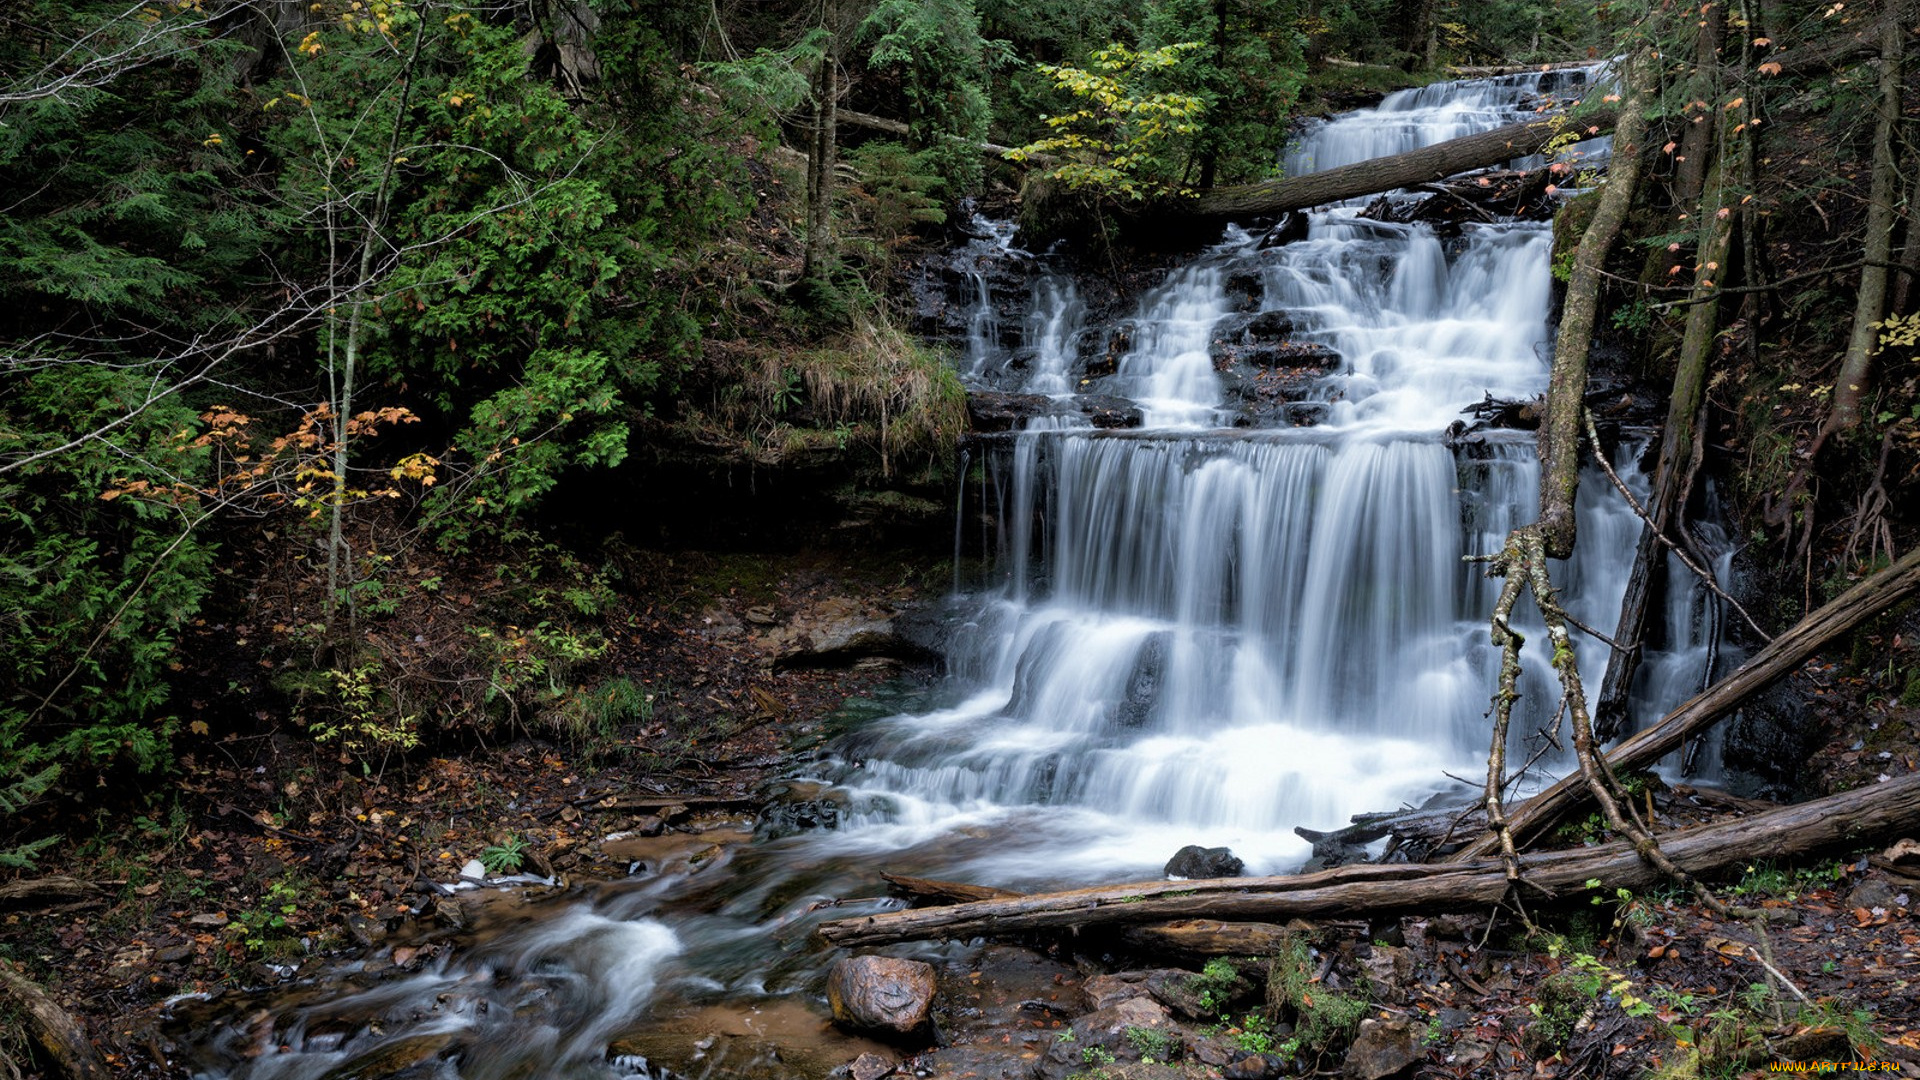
(898, 190)
(1324, 1020)
(1246, 72)
(506, 856)
(1152, 1045)
(266, 927)
(100, 569)
(1215, 986)
(364, 717)
(1124, 139)
(942, 62)
(1769, 879)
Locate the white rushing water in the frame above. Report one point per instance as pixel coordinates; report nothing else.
(1207, 635)
(1192, 633)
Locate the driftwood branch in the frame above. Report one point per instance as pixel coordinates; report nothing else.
(1780, 656)
(1374, 889)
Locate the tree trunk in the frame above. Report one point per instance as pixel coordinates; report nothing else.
(1677, 462)
(818, 255)
(1697, 138)
(1780, 656)
(1902, 291)
(1560, 435)
(1420, 166)
(1850, 385)
(1849, 818)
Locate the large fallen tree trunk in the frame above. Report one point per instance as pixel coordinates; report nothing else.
(1425, 165)
(1780, 656)
(1374, 889)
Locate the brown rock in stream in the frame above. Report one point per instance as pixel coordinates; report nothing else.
(881, 994)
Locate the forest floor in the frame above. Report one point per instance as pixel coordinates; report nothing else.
(272, 861)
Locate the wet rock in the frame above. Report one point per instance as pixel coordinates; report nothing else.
(989, 410)
(391, 1058)
(1468, 1054)
(1104, 1035)
(1385, 1048)
(880, 994)
(801, 807)
(1293, 225)
(1194, 861)
(1768, 744)
(1245, 290)
(1143, 686)
(869, 1067)
(363, 931)
(1213, 1051)
(1107, 412)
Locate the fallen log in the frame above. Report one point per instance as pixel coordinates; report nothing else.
(58, 891)
(1425, 165)
(1374, 889)
(1780, 656)
(1494, 71)
(55, 1032)
(951, 892)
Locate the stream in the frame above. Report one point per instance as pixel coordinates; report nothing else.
(1250, 612)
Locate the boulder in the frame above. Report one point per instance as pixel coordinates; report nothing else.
(880, 994)
(1385, 1048)
(836, 632)
(1194, 861)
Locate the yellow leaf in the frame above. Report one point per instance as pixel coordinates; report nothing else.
(198, 727)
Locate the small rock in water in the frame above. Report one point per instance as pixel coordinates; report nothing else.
(474, 869)
(869, 1067)
(880, 993)
(1194, 861)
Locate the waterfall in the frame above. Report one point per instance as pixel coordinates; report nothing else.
(1249, 614)
(1219, 626)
